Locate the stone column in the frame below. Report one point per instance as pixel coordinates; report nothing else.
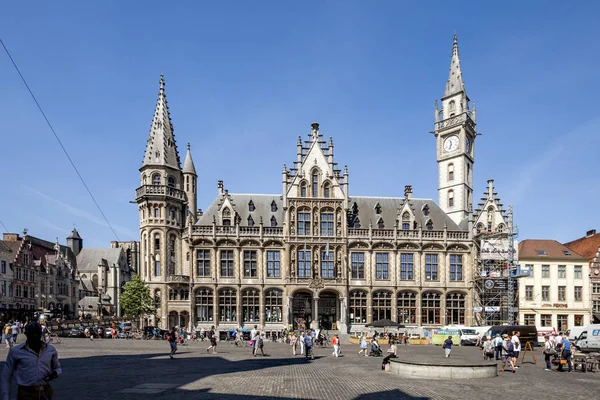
(419, 311)
(315, 314)
(369, 307)
(215, 321)
(343, 320)
(394, 306)
(238, 311)
(262, 311)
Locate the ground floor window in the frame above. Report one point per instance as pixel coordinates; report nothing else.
(358, 307)
(382, 305)
(227, 305)
(529, 319)
(430, 308)
(204, 305)
(250, 305)
(455, 309)
(562, 322)
(274, 306)
(407, 307)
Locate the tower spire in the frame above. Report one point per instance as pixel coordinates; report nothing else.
(161, 149)
(188, 164)
(455, 82)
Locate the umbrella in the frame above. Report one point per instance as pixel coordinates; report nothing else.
(384, 323)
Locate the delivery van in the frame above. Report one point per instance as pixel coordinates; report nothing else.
(528, 333)
(589, 340)
(574, 332)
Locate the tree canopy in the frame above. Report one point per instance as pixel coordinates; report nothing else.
(136, 300)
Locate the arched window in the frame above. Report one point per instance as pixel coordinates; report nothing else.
(156, 179)
(358, 307)
(273, 221)
(274, 306)
(407, 308)
(500, 228)
(144, 179)
(171, 182)
(480, 227)
(450, 198)
(273, 206)
(450, 172)
(204, 305)
(326, 190)
(250, 305)
(95, 281)
(455, 309)
(227, 305)
(430, 308)
(315, 184)
(382, 305)
(226, 216)
(303, 189)
(452, 107)
(380, 224)
(405, 220)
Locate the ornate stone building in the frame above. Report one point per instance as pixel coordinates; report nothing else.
(313, 255)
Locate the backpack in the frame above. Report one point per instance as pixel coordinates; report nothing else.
(510, 347)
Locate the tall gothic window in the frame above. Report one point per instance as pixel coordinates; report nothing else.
(274, 306)
(405, 220)
(406, 267)
(326, 189)
(358, 307)
(227, 305)
(203, 263)
(303, 189)
(250, 270)
(250, 305)
(303, 224)
(327, 269)
(304, 264)
(382, 305)
(358, 265)
(227, 263)
(381, 266)
(456, 267)
(407, 307)
(430, 308)
(455, 309)
(431, 267)
(204, 305)
(327, 224)
(315, 184)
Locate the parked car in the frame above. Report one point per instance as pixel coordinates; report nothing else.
(77, 332)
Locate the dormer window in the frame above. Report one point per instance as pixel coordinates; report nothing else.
(171, 181)
(250, 221)
(541, 252)
(425, 210)
(380, 224)
(251, 206)
(377, 208)
(356, 223)
(273, 206)
(226, 216)
(429, 225)
(156, 179)
(405, 221)
(273, 221)
(303, 189)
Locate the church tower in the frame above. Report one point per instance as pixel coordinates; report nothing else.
(455, 135)
(162, 203)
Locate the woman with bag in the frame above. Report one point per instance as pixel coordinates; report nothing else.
(549, 351)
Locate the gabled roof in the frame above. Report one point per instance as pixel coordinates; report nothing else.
(587, 246)
(161, 149)
(262, 208)
(534, 249)
(88, 259)
(389, 212)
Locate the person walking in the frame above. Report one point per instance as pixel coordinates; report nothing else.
(8, 335)
(498, 346)
(565, 354)
(549, 351)
(173, 342)
(15, 332)
(294, 343)
(253, 339)
(33, 364)
(447, 346)
(212, 337)
(260, 342)
(517, 346)
(302, 343)
(336, 345)
(488, 349)
(363, 345)
(308, 345)
(507, 353)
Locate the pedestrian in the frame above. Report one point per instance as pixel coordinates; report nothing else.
(363, 345)
(447, 346)
(508, 349)
(294, 343)
(549, 351)
(517, 346)
(336, 345)
(33, 364)
(260, 342)
(498, 346)
(308, 344)
(488, 349)
(15, 332)
(253, 338)
(8, 335)
(172, 339)
(212, 337)
(565, 354)
(302, 344)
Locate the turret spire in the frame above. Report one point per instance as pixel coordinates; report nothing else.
(188, 164)
(161, 148)
(455, 82)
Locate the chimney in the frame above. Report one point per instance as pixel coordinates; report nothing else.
(220, 187)
(10, 237)
(408, 192)
(590, 233)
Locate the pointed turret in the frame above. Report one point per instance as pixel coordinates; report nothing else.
(161, 148)
(455, 82)
(188, 164)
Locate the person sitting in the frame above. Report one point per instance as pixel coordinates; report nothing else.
(392, 354)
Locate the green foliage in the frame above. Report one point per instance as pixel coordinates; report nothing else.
(136, 300)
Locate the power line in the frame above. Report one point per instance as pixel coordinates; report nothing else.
(4, 226)
(58, 139)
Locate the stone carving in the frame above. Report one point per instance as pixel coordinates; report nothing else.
(316, 283)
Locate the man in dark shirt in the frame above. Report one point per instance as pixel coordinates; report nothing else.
(448, 346)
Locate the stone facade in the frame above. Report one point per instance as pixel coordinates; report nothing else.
(313, 255)
(6, 278)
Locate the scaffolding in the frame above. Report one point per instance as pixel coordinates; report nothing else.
(495, 286)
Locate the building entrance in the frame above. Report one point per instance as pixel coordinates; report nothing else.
(328, 311)
(301, 311)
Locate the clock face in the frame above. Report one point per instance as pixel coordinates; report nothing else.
(468, 145)
(451, 143)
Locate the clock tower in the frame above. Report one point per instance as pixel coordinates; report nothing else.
(455, 135)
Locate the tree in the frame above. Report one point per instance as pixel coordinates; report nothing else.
(136, 300)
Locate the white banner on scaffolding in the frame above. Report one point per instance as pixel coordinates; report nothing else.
(494, 249)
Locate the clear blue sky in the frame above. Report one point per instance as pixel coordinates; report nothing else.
(244, 79)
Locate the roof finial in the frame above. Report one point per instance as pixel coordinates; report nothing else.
(189, 147)
(162, 84)
(315, 130)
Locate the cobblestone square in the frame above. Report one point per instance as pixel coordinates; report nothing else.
(114, 369)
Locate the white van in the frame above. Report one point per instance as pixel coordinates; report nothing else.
(574, 332)
(589, 340)
(468, 336)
